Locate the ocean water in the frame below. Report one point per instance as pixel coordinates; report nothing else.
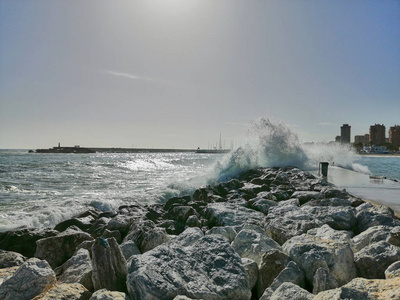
(41, 190)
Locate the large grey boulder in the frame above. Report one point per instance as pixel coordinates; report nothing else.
(364, 289)
(56, 250)
(368, 216)
(272, 263)
(262, 205)
(104, 294)
(31, 279)
(287, 290)
(327, 233)
(311, 253)
(227, 231)
(337, 217)
(291, 273)
(370, 236)
(394, 236)
(146, 235)
(252, 271)
(65, 291)
(109, 265)
(323, 280)
(6, 273)
(11, 259)
(193, 265)
(252, 242)
(129, 248)
(78, 269)
(373, 260)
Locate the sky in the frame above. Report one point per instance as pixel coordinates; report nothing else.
(182, 73)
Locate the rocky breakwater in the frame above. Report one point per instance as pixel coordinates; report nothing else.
(271, 233)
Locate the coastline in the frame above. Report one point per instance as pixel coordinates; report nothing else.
(248, 223)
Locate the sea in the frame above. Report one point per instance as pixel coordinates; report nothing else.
(41, 190)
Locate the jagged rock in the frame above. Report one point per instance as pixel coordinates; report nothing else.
(99, 226)
(306, 196)
(262, 204)
(373, 260)
(23, 241)
(193, 221)
(393, 270)
(330, 202)
(11, 259)
(109, 234)
(252, 271)
(232, 214)
(372, 235)
(291, 273)
(31, 279)
(394, 237)
(121, 222)
(337, 217)
(368, 216)
(273, 262)
(129, 248)
(196, 266)
(83, 223)
(58, 249)
(252, 242)
(323, 280)
(78, 269)
(288, 290)
(104, 294)
(327, 233)
(109, 265)
(311, 253)
(65, 291)
(180, 297)
(332, 192)
(227, 231)
(146, 235)
(364, 289)
(6, 273)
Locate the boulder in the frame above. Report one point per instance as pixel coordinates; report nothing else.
(109, 234)
(6, 273)
(252, 271)
(11, 259)
(78, 269)
(23, 241)
(65, 291)
(193, 265)
(252, 242)
(272, 263)
(104, 294)
(337, 217)
(393, 270)
(368, 216)
(288, 290)
(394, 236)
(262, 204)
(31, 279)
(306, 196)
(327, 233)
(83, 223)
(311, 253)
(291, 273)
(129, 248)
(372, 235)
(122, 223)
(373, 260)
(58, 249)
(364, 289)
(227, 231)
(323, 280)
(146, 235)
(109, 266)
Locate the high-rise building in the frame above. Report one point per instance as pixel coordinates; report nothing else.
(377, 134)
(362, 139)
(345, 134)
(394, 136)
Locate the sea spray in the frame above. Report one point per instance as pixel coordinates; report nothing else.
(273, 144)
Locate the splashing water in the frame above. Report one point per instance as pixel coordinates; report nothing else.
(274, 144)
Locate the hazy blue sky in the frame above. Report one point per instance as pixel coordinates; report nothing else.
(177, 73)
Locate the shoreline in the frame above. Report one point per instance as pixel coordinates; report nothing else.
(238, 229)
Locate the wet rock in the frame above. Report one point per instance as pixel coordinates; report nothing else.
(364, 289)
(78, 269)
(393, 270)
(56, 250)
(99, 226)
(31, 279)
(104, 294)
(121, 222)
(252, 242)
(11, 259)
(83, 223)
(273, 262)
(23, 241)
(197, 266)
(394, 236)
(288, 290)
(373, 260)
(109, 265)
(146, 235)
(311, 253)
(372, 235)
(66, 291)
(227, 231)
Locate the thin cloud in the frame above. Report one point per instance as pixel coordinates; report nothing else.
(130, 76)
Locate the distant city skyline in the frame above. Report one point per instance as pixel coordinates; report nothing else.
(178, 73)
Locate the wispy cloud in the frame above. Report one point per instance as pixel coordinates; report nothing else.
(130, 76)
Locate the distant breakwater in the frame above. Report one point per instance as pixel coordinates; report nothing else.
(82, 150)
(269, 233)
